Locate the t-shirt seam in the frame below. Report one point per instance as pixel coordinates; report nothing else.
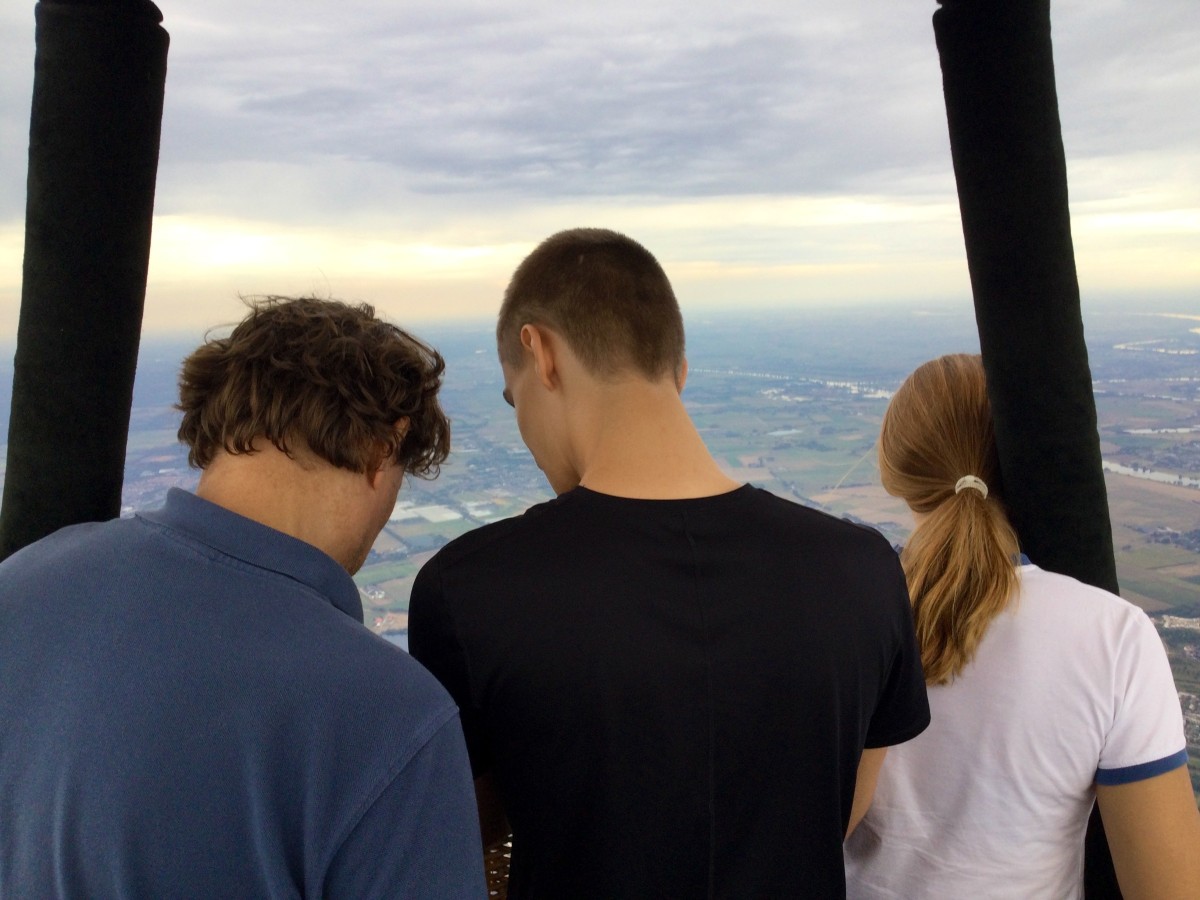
(710, 723)
(1116, 774)
(449, 609)
(1125, 629)
(898, 737)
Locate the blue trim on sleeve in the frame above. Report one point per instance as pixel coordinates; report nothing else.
(1129, 774)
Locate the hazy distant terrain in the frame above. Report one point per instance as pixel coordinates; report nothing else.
(792, 403)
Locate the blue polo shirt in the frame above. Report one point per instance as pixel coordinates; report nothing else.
(190, 706)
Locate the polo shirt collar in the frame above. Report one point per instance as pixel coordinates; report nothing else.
(258, 545)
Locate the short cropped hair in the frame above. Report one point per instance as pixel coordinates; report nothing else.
(317, 374)
(605, 294)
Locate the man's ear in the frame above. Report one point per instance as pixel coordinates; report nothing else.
(681, 376)
(541, 346)
(382, 457)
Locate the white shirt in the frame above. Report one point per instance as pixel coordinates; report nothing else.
(1070, 686)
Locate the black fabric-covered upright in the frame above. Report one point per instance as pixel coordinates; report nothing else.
(98, 89)
(1009, 162)
(1006, 142)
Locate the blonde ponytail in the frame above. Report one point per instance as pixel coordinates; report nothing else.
(960, 560)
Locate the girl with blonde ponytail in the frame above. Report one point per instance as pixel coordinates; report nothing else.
(1046, 694)
(940, 458)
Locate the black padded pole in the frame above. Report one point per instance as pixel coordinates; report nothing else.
(1006, 143)
(98, 86)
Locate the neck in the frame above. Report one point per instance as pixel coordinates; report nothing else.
(638, 441)
(304, 497)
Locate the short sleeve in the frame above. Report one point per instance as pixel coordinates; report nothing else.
(1146, 737)
(420, 838)
(433, 642)
(902, 710)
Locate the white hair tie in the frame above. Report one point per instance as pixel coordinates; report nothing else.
(970, 481)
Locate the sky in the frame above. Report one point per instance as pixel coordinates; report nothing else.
(410, 152)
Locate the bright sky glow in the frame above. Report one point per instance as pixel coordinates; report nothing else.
(791, 153)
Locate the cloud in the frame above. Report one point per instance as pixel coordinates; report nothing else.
(773, 150)
(543, 100)
(535, 100)
(540, 100)
(1125, 73)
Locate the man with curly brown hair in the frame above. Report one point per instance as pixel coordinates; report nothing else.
(192, 705)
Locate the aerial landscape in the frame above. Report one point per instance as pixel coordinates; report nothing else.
(791, 402)
(830, 189)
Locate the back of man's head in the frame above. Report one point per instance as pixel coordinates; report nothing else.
(316, 375)
(606, 295)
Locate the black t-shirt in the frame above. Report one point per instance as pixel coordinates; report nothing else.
(672, 695)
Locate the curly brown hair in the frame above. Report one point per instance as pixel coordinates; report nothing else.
(319, 374)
